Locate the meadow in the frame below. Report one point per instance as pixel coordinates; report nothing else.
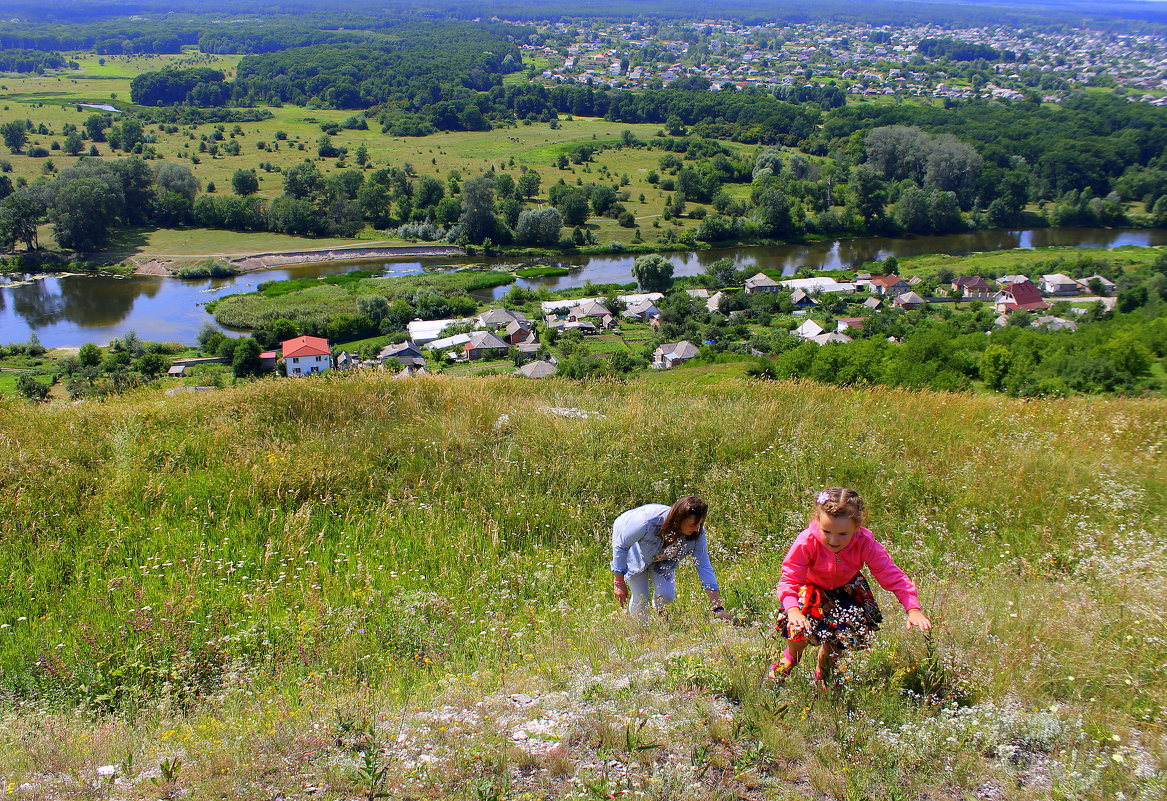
(52, 99)
(348, 585)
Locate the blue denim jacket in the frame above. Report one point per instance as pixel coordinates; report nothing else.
(636, 540)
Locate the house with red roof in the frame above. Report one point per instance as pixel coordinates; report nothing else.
(1020, 295)
(972, 287)
(304, 355)
(889, 285)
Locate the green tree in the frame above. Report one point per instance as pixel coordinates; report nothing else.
(995, 364)
(15, 135)
(911, 210)
(653, 273)
(81, 215)
(245, 357)
(325, 149)
(177, 178)
(866, 193)
(573, 205)
(772, 210)
(95, 125)
(529, 184)
(74, 144)
(20, 216)
(722, 273)
(245, 182)
(127, 134)
(478, 219)
(303, 181)
(150, 364)
(89, 355)
(539, 226)
(1129, 355)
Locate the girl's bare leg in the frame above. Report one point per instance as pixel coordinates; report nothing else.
(828, 655)
(790, 657)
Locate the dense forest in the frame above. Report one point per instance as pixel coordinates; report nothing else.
(18, 60)
(878, 12)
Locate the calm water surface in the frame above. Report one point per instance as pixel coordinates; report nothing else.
(72, 310)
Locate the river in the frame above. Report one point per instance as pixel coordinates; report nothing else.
(73, 309)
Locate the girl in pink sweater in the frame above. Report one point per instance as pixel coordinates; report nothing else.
(825, 598)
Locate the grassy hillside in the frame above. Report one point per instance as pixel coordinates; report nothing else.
(277, 586)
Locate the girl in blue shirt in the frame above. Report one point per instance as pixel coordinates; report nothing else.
(647, 544)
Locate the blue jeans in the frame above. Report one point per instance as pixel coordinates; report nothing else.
(664, 588)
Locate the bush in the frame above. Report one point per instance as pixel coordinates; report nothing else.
(209, 268)
(31, 389)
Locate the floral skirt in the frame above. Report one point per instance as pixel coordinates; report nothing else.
(845, 617)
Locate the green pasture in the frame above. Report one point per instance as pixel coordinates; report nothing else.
(190, 242)
(52, 100)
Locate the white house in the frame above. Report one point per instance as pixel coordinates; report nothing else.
(423, 331)
(304, 355)
(642, 311)
(808, 330)
(673, 353)
(761, 283)
(539, 369)
(1107, 284)
(813, 285)
(1058, 284)
(830, 339)
(454, 342)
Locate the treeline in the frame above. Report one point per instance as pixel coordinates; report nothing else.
(109, 38)
(86, 201)
(360, 76)
(1085, 143)
(422, 67)
(956, 50)
(197, 86)
(19, 60)
(272, 39)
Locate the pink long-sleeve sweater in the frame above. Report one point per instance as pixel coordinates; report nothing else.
(811, 562)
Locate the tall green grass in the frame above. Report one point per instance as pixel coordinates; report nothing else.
(384, 533)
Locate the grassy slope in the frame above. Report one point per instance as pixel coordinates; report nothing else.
(258, 581)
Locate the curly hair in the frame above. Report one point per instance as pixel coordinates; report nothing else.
(841, 502)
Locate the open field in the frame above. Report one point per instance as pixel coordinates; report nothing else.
(52, 99)
(261, 584)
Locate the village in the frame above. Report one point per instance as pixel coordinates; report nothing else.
(821, 310)
(862, 60)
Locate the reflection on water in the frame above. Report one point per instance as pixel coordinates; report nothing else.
(71, 310)
(96, 302)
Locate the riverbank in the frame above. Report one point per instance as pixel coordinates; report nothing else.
(98, 307)
(168, 266)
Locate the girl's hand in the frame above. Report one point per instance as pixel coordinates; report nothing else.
(916, 618)
(796, 621)
(620, 590)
